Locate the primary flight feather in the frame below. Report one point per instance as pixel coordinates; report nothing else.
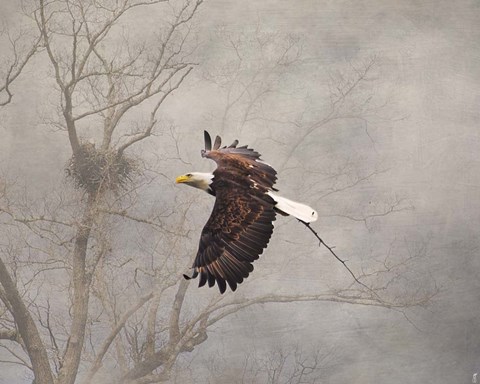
(241, 222)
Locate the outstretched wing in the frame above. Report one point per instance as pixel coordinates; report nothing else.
(236, 233)
(241, 222)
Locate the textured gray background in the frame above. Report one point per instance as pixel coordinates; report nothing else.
(429, 66)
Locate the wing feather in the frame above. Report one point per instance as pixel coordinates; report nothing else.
(222, 286)
(208, 141)
(203, 278)
(218, 143)
(240, 253)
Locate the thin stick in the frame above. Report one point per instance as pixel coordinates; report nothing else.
(338, 258)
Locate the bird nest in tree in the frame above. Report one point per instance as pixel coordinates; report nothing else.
(96, 170)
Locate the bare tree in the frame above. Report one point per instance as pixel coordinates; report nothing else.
(100, 84)
(91, 282)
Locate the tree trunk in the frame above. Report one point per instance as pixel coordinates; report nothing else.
(27, 329)
(81, 286)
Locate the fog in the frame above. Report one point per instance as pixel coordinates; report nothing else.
(395, 176)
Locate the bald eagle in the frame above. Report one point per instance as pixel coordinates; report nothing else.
(241, 223)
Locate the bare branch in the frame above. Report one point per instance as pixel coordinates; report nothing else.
(16, 68)
(147, 132)
(394, 207)
(338, 258)
(113, 334)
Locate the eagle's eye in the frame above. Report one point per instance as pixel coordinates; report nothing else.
(189, 175)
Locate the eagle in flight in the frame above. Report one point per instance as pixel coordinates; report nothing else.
(241, 223)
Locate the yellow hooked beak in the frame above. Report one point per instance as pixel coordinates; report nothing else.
(182, 179)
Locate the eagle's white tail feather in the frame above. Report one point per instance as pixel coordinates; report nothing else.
(300, 211)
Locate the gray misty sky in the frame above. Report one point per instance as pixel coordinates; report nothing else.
(429, 73)
(430, 61)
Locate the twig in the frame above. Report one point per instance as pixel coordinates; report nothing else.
(338, 258)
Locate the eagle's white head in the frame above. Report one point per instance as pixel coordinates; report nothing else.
(200, 180)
